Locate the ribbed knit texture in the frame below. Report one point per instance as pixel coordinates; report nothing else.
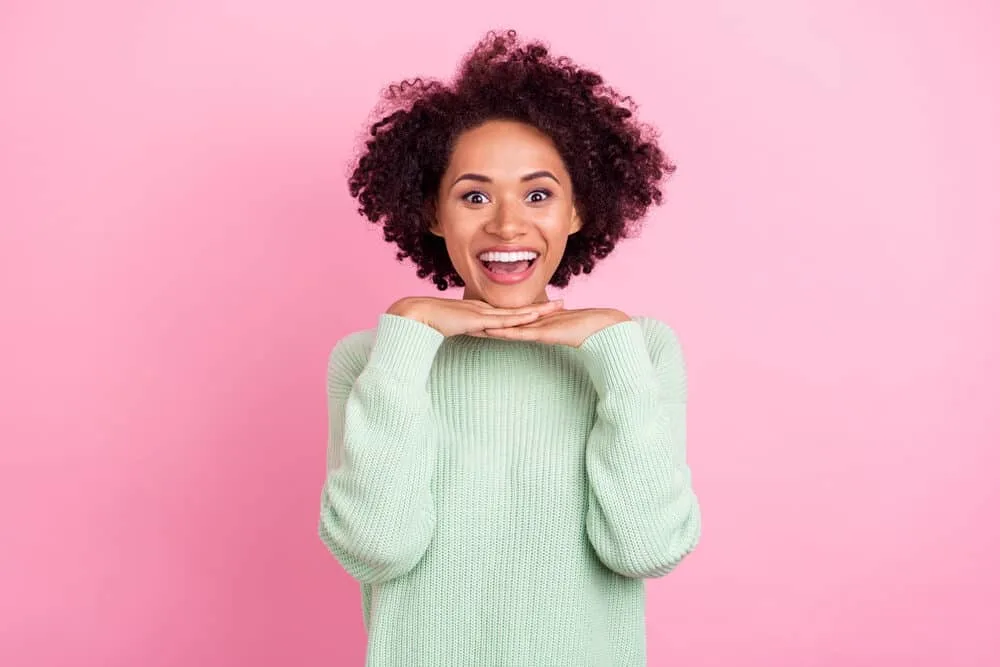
(501, 502)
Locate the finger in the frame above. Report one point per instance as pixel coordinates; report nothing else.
(538, 323)
(502, 321)
(555, 304)
(540, 308)
(552, 306)
(526, 332)
(508, 321)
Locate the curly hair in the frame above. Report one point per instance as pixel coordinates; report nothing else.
(614, 162)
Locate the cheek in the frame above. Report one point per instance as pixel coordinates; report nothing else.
(457, 240)
(556, 231)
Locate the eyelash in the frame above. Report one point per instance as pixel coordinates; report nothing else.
(543, 191)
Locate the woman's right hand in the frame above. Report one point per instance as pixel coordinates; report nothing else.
(453, 317)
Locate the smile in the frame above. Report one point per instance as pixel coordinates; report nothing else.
(508, 268)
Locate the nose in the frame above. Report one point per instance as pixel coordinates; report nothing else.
(506, 223)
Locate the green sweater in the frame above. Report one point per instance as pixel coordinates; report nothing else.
(501, 502)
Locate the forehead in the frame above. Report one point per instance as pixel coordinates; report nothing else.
(501, 146)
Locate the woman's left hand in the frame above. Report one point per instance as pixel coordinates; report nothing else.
(563, 327)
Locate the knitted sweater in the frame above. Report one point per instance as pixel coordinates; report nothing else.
(501, 502)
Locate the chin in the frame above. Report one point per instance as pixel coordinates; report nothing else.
(512, 297)
(508, 301)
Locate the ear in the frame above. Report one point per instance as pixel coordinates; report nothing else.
(576, 221)
(430, 215)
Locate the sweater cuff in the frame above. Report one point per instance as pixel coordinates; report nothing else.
(616, 358)
(404, 348)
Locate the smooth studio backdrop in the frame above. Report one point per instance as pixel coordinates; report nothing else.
(178, 254)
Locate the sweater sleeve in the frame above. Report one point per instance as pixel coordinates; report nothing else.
(643, 517)
(376, 513)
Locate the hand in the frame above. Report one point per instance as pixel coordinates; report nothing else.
(562, 327)
(453, 317)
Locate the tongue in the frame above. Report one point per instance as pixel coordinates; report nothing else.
(508, 267)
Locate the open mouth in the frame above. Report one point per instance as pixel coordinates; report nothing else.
(508, 267)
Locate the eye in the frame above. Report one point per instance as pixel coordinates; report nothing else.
(540, 195)
(475, 197)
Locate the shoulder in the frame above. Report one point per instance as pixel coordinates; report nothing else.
(348, 358)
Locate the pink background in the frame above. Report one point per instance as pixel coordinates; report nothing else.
(178, 253)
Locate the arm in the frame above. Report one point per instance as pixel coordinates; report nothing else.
(376, 514)
(643, 517)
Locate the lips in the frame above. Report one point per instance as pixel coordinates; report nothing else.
(508, 265)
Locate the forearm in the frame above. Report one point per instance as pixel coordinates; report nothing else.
(643, 516)
(377, 514)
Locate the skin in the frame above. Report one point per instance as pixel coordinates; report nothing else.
(505, 209)
(506, 185)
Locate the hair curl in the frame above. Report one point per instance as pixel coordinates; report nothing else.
(614, 162)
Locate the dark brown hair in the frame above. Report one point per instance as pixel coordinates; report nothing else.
(614, 162)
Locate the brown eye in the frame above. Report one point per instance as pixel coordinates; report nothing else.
(536, 196)
(475, 197)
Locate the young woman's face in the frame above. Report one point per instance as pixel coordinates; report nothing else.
(505, 210)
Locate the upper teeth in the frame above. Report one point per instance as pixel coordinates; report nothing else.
(522, 256)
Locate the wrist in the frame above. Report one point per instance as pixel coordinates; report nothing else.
(610, 318)
(617, 317)
(405, 307)
(617, 359)
(403, 348)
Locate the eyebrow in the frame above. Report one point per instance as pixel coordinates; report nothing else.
(479, 178)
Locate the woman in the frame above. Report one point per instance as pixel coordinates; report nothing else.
(503, 472)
